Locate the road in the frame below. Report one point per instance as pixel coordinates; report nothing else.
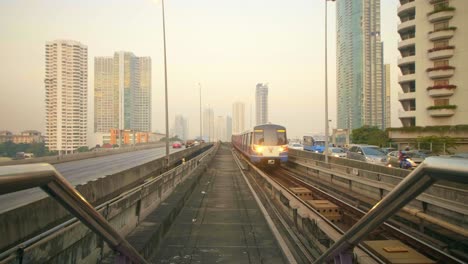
(82, 171)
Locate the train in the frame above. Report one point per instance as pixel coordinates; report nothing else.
(265, 144)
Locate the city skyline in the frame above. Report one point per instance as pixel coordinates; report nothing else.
(293, 67)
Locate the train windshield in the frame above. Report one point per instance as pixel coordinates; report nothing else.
(270, 137)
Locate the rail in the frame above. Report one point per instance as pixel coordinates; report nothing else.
(433, 169)
(45, 176)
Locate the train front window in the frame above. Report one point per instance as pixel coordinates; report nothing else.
(270, 137)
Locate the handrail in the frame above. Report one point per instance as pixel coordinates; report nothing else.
(431, 170)
(43, 175)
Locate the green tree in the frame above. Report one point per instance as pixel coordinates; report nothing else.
(82, 149)
(369, 135)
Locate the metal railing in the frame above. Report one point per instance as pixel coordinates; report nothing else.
(429, 172)
(45, 176)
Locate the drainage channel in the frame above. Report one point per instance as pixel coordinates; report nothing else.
(221, 222)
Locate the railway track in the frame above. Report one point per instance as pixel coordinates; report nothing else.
(388, 230)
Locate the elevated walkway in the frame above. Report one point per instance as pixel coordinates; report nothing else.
(220, 222)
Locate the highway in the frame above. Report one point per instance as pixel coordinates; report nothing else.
(82, 171)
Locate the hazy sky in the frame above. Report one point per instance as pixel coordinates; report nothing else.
(227, 46)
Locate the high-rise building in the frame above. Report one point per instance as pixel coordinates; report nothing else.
(208, 124)
(387, 114)
(220, 129)
(181, 127)
(228, 128)
(122, 86)
(238, 117)
(261, 103)
(66, 85)
(360, 88)
(433, 62)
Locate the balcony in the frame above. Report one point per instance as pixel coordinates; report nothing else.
(441, 90)
(442, 34)
(409, 24)
(406, 78)
(406, 96)
(406, 60)
(406, 43)
(406, 7)
(441, 54)
(406, 114)
(440, 15)
(441, 72)
(441, 112)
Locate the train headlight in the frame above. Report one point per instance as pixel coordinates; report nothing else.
(283, 148)
(258, 149)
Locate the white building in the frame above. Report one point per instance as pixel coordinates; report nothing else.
(238, 117)
(66, 85)
(220, 129)
(228, 128)
(122, 92)
(261, 103)
(433, 63)
(208, 124)
(181, 127)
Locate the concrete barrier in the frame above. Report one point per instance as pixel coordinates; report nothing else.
(82, 155)
(25, 222)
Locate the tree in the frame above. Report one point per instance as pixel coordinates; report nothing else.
(369, 135)
(82, 149)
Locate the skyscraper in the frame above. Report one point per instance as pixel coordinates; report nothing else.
(181, 127)
(122, 88)
(220, 129)
(238, 117)
(228, 128)
(433, 63)
(208, 124)
(360, 88)
(66, 85)
(388, 90)
(261, 103)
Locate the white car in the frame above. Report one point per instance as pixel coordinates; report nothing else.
(336, 152)
(297, 146)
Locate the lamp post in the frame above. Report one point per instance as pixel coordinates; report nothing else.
(165, 86)
(326, 83)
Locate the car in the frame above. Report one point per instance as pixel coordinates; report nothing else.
(367, 153)
(296, 145)
(176, 144)
(189, 143)
(414, 158)
(388, 150)
(460, 155)
(336, 152)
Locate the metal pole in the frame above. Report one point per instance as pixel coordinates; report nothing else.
(165, 87)
(326, 87)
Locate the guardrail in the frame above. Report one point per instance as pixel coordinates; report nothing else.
(45, 176)
(433, 169)
(124, 211)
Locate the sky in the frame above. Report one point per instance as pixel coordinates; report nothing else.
(226, 46)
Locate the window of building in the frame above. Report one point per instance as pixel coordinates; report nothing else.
(444, 101)
(441, 43)
(441, 63)
(441, 25)
(441, 82)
